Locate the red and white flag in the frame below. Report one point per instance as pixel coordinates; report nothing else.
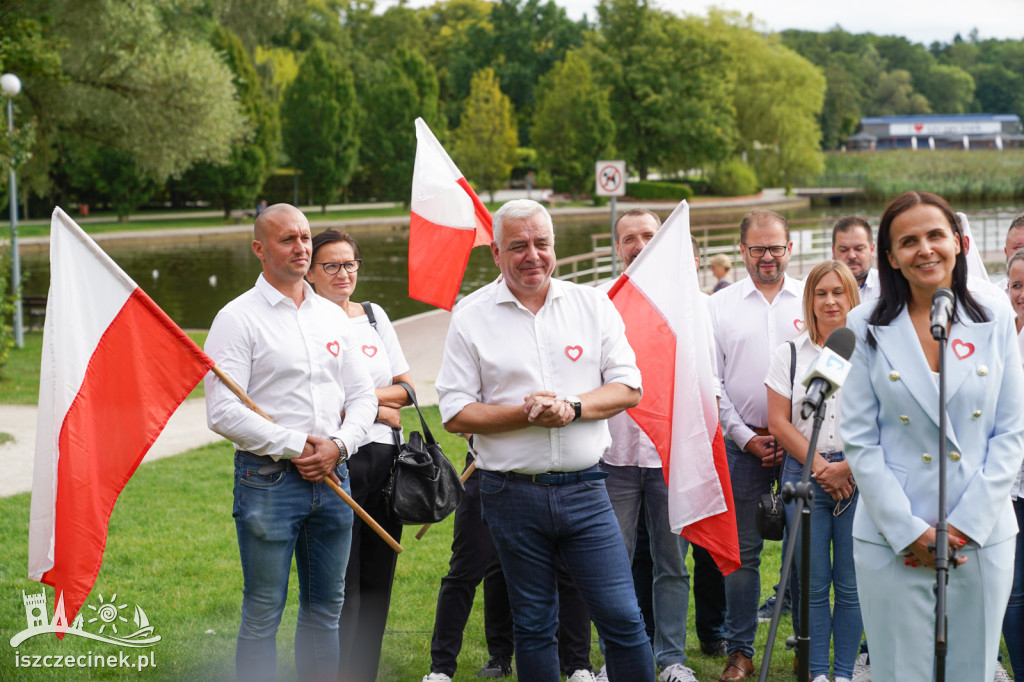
(448, 220)
(668, 326)
(114, 369)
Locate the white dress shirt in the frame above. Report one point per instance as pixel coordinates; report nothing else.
(630, 445)
(870, 289)
(384, 360)
(498, 352)
(747, 329)
(778, 380)
(300, 365)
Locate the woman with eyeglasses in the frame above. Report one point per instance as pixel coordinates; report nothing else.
(890, 428)
(371, 566)
(830, 292)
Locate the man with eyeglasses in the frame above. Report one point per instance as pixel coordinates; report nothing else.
(853, 244)
(293, 352)
(750, 319)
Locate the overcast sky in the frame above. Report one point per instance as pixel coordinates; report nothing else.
(921, 21)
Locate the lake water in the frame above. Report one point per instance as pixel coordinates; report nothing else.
(192, 278)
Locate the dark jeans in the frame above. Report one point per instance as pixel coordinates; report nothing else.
(708, 596)
(1013, 621)
(371, 568)
(533, 527)
(474, 559)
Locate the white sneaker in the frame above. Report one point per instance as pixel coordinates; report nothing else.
(842, 679)
(1001, 674)
(436, 677)
(821, 678)
(602, 674)
(677, 672)
(581, 676)
(861, 669)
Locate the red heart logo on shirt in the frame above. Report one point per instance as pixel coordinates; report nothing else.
(918, 127)
(334, 348)
(798, 325)
(573, 352)
(369, 351)
(962, 349)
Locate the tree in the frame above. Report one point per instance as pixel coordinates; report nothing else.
(237, 182)
(778, 98)
(670, 89)
(321, 122)
(396, 92)
(572, 126)
(130, 81)
(484, 144)
(895, 95)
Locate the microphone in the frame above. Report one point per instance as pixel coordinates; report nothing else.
(942, 312)
(828, 371)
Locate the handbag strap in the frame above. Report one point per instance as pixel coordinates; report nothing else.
(428, 436)
(369, 314)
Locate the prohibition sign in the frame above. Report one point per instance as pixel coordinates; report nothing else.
(611, 177)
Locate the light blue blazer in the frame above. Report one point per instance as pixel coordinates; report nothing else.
(890, 428)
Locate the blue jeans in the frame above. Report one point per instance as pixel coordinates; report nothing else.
(532, 526)
(1013, 621)
(750, 480)
(628, 486)
(831, 567)
(276, 516)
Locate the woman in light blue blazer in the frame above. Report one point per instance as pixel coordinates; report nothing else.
(890, 430)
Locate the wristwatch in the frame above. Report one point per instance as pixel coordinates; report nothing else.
(577, 406)
(342, 452)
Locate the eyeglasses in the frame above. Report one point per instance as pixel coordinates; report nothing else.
(843, 505)
(758, 251)
(334, 268)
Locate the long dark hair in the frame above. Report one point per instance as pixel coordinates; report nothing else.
(895, 289)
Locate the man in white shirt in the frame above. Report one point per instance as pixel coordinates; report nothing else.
(854, 244)
(292, 352)
(751, 318)
(534, 366)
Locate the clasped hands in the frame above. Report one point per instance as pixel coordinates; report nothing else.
(921, 550)
(544, 408)
(318, 459)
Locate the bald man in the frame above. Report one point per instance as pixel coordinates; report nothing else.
(294, 354)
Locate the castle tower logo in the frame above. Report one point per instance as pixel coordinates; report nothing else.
(106, 621)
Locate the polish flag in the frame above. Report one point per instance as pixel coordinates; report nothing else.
(448, 220)
(669, 328)
(114, 369)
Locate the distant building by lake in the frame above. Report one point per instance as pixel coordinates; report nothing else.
(938, 131)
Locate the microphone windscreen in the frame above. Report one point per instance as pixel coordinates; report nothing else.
(841, 342)
(942, 292)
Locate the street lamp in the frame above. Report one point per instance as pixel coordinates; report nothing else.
(11, 86)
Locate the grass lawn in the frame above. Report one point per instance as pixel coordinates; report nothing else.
(172, 550)
(19, 375)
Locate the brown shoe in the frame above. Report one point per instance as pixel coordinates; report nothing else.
(739, 667)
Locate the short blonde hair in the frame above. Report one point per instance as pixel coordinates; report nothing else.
(815, 276)
(721, 260)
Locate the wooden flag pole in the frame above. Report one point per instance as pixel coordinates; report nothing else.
(464, 477)
(331, 483)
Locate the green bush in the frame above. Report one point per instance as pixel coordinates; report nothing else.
(733, 179)
(648, 190)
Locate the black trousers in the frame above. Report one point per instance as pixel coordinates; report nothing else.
(474, 559)
(371, 568)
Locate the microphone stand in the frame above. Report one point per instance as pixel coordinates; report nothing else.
(943, 555)
(803, 493)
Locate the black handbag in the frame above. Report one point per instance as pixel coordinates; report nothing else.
(424, 486)
(771, 516)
